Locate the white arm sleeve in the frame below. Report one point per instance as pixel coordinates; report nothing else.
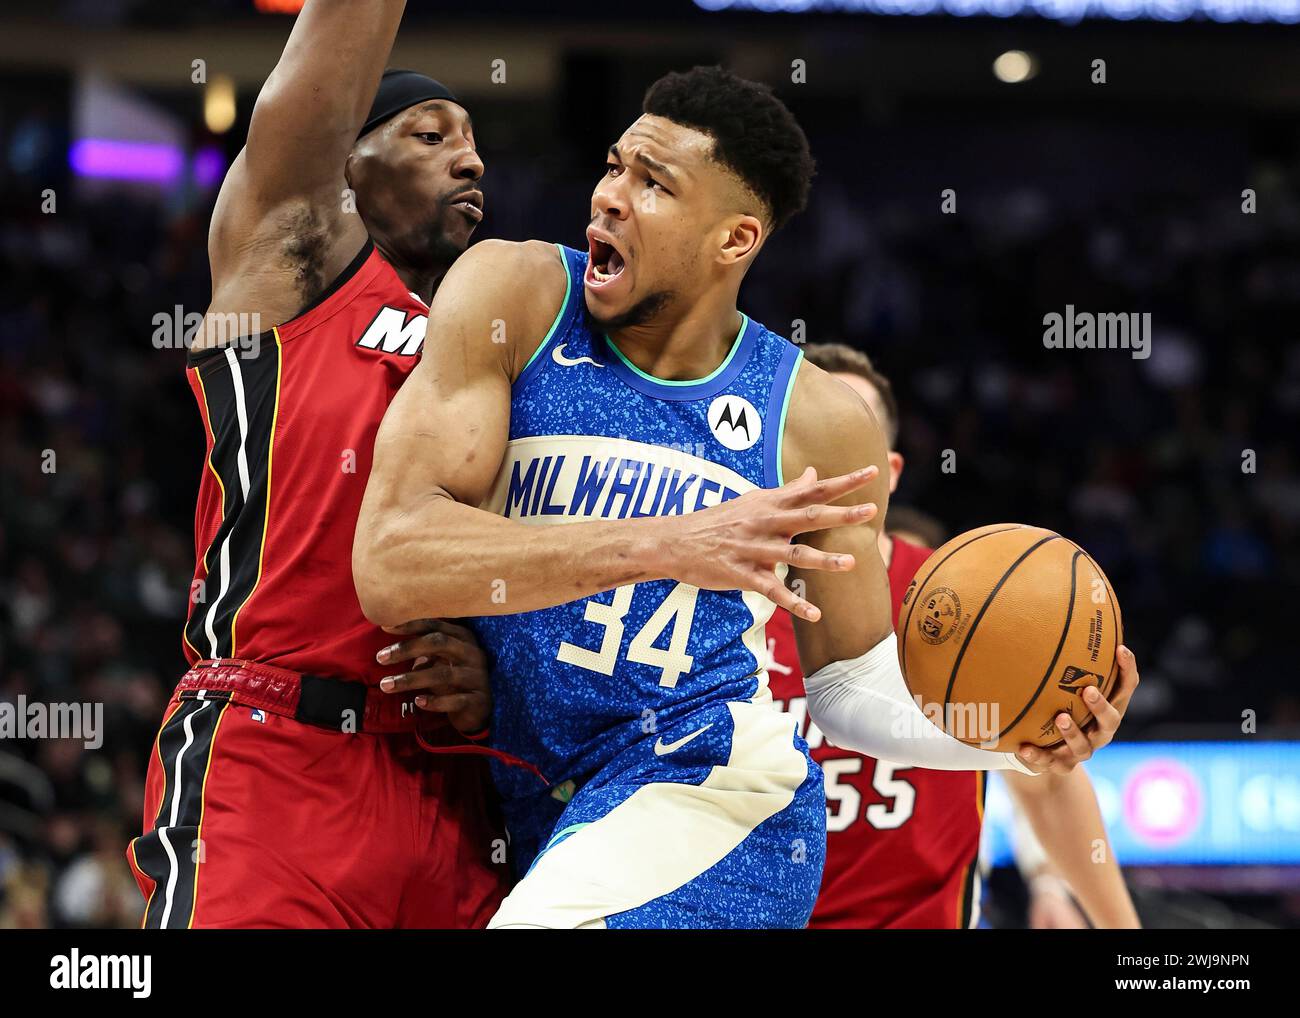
(864, 705)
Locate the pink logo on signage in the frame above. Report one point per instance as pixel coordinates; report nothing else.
(1162, 802)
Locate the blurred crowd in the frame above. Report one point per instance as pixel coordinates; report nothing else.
(1177, 472)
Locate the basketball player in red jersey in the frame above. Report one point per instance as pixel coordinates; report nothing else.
(902, 842)
(287, 786)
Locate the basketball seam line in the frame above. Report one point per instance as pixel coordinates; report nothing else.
(1113, 675)
(961, 652)
(920, 589)
(1065, 630)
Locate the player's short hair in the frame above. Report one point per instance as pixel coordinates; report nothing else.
(754, 135)
(845, 360)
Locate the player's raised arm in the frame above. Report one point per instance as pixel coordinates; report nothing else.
(314, 103)
(281, 228)
(423, 548)
(856, 692)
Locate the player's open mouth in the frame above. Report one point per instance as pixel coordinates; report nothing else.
(605, 262)
(471, 203)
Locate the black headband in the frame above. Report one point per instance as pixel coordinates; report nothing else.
(400, 90)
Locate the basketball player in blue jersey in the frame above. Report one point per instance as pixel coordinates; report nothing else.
(604, 462)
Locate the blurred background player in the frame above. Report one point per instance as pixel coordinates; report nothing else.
(903, 842)
(285, 788)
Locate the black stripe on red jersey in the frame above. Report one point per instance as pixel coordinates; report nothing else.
(216, 386)
(242, 396)
(172, 853)
(966, 913)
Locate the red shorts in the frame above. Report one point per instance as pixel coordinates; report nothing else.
(256, 819)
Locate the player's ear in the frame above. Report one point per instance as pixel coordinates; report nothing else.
(742, 240)
(895, 469)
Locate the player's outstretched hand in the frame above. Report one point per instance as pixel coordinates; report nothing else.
(737, 545)
(1081, 743)
(447, 666)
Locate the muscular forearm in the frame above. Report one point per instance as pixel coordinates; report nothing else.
(1062, 810)
(441, 559)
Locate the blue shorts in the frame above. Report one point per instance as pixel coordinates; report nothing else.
(718, 821)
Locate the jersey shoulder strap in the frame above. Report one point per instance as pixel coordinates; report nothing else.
(570, 316)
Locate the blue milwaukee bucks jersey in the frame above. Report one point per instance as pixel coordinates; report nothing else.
(594, 438)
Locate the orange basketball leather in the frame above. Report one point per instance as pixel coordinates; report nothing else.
(1001, 630)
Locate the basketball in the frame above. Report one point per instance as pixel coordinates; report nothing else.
(1002, 629)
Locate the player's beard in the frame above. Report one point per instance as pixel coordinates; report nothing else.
(437, 247)
(639, 313)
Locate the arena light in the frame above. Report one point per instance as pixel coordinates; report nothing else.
(145, 162)
(1015, 66)
(219, 104)
(126, 160)
(1187, 803)
(1286, 12)
(209, 166)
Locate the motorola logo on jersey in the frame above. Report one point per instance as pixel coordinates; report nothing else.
(392, 332)
(734, 422)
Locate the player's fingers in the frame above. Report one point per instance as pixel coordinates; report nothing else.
(453, 643)
(1076, 740)
(832, 488)
(1106, 717)
(1062, 760)
(801, 556)
(1037, 760)
(435, 676)
(1108, 713)
(808, 490)
(418, 626)
(454, 630)
(808, 479)
(827, 517)
(446, 703)
(442, 678)
(802, 490)
(783, 597)
(1128, 679)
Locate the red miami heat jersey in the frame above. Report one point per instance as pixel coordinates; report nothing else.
(290, 429)
(901, 842)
